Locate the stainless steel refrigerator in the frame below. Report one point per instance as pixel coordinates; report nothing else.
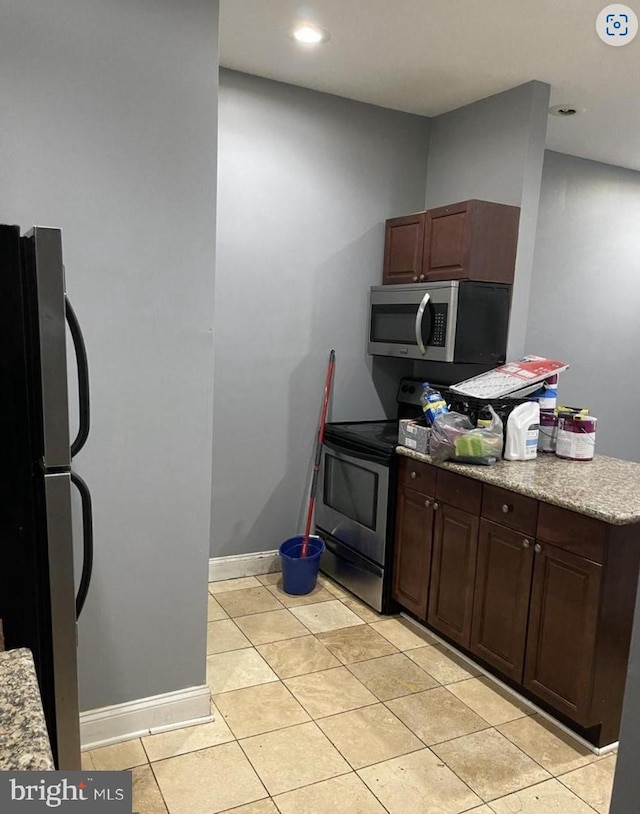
(39, 605)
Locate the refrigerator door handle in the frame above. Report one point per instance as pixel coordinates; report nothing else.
(87, 542)
(82, 364)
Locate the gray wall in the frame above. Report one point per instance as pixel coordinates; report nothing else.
(109, 132)
(306, 181)
(586, 289)
(493, 150)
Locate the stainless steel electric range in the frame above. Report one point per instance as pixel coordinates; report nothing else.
(355, 512)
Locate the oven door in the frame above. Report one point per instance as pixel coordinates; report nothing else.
(354, 498)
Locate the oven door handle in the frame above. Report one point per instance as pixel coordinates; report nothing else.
(345, 553)
(419, 317)
(343, 449)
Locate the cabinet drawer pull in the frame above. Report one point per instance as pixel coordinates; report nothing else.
(427, 503)
(537, 548)
(506, 508)
(414, 474)
(436, 506)
(525, 543)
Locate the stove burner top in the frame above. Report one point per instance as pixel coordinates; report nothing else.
(381, 436)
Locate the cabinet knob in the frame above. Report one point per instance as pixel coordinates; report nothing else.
(415, 278)
(537, 548)
(436, 506)
(414, 474)
(427, 503)
(421, 277)
(506, 508)
(525, 543)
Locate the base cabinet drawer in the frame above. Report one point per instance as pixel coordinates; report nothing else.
(563, 623)
(453, 569)
(509, 509)
(418, 476)
(501, 602)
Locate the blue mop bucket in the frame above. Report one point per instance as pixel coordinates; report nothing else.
(299, 574)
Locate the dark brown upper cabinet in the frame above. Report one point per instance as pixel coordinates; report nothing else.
(403, 246)
(471, 240)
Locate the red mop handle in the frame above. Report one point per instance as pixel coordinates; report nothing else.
(316, 465)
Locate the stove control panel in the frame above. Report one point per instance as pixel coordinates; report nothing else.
(409, 392)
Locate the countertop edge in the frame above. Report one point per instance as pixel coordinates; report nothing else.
(24, 742)
(486, 474)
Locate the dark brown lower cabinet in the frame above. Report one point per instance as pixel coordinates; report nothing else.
(501, 602)
(563, 626)
(412, 558)
(543, 595)
(455, 545)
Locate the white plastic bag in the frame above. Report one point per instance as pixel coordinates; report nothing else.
(454, 438)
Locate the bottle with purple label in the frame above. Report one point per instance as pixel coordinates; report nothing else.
(549, 396)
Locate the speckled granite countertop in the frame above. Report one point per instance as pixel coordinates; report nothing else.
(24, 743)
(605, 488)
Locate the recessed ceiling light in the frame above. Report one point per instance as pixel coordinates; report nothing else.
(566, 110)
(309, 34)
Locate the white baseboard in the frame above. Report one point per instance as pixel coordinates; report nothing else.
(146, 716)
(243, 565)
(602, 750)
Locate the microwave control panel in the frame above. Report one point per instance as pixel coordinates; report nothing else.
(438, 336)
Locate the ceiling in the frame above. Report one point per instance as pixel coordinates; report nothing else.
(428, 57)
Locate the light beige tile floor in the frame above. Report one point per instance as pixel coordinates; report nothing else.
(325, 707)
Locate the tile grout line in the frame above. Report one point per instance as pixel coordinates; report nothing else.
(488, 727)
(424, 745)
(533, 786)
(597, 758)
(317, 782)
(271, 796)
(560, 780)
(153, 774)
(384, 703)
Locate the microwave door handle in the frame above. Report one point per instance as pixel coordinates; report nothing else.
(419, 318)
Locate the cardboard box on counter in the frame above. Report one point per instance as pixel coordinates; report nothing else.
(414, 433)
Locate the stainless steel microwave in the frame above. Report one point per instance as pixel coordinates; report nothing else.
(459, 321)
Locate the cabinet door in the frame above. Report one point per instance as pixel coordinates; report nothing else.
(501, 601)
(412, 556)
(447, 241)
(453, 569)
(562, 631)
(403, 246)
